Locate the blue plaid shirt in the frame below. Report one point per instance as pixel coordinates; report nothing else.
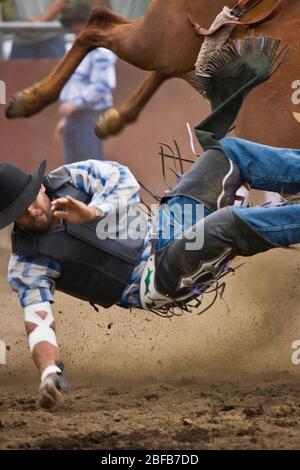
(106, 182)
(91, 85)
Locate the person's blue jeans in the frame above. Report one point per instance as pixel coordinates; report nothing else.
(270, 169)
(79, 138)
(265, 168)
(279, 225)
(53, 48)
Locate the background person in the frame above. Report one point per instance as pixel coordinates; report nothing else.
(87, 93)
(37, 44)
(130, 9)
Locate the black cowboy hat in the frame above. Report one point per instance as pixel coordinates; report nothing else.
(18, 190)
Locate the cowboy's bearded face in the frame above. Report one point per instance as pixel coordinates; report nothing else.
(38, 217)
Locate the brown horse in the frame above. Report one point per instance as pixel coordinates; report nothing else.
(166, 42)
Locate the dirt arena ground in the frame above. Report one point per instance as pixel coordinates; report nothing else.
(224, 380)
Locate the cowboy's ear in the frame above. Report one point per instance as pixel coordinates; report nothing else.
(43, 189)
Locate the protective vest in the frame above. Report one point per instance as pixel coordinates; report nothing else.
(92, 269)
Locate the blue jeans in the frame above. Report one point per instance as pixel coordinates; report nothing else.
(265, 168)
(79, 138)
(53, 48)
(270, 169)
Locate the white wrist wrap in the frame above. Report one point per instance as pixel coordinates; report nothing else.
(42, 332)
(50, 370)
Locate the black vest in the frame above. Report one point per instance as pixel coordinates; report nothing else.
(91, 269)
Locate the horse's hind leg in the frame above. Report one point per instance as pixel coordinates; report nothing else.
(38, 96)
(114, 120)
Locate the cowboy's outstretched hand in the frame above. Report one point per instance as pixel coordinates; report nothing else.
(73, 211)
(51, 390)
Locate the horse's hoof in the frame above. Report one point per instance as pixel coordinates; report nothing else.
(17, 107)
(25, 103)
(109, 123)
